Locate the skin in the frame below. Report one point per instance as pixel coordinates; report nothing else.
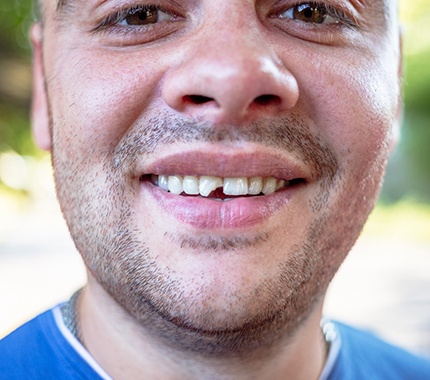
(234, 290)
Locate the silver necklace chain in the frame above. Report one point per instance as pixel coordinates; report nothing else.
(69, 311)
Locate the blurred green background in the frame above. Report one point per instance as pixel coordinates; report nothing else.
(408, 178)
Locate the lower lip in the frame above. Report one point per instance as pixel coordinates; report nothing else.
(206, 213)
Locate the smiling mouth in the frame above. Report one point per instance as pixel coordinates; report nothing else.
(218, 188)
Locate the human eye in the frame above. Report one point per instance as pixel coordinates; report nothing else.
(137, 24)
(140, 15)
(313, 13)
(314, 21)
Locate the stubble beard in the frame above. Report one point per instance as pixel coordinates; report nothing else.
(99, 219)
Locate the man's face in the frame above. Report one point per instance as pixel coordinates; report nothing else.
(293, 100)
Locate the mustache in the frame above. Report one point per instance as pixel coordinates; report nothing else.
(288, 134)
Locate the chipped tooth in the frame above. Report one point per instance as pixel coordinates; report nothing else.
(175, 184)
(235, 186)
(163, 182)
(269, 186)
(191, 185)
(255, 185)
(208, 184)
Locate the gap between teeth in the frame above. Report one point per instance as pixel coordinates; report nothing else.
(204, 185)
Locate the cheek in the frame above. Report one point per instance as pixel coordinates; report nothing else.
(96, 97)
(355, 105)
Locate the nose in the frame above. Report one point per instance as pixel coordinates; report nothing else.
(230, 76)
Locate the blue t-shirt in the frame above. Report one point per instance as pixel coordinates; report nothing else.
(45, 349)
(363, 356)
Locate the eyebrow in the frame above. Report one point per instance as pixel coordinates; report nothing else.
(61, 4)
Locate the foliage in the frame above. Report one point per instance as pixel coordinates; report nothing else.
(412, 160)
(15, 71)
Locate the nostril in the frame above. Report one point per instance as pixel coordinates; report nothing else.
(267, 99)
(196, 99)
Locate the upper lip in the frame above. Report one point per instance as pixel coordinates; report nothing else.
(232, 164)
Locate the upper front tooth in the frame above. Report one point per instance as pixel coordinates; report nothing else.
(235, 186)
(191, 185)
(175, 184)
(209, 184)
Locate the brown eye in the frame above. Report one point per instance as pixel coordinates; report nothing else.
(309, 13)
(141, 17)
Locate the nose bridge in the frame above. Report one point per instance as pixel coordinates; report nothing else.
(229, 68)
(232, 60)
(230, 41)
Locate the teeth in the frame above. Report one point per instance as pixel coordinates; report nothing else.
(191, 185)
(204, 185)
(175, 184)
(209, 184)
(269, 186)
(255, 185)
(163, 182)
(235, 186)
(280, 184)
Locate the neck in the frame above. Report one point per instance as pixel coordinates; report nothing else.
(126, 350)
